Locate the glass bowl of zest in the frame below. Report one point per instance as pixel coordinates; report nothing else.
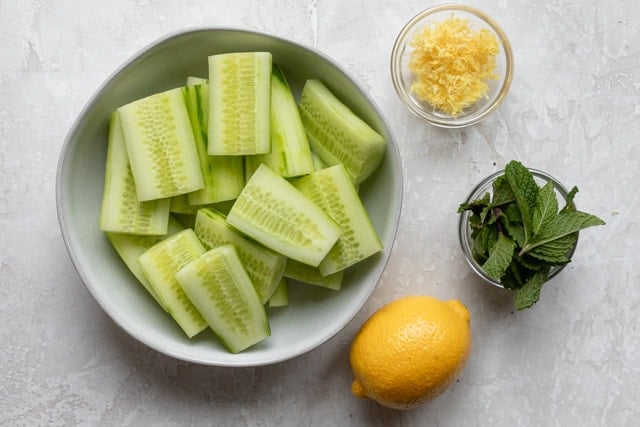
(452, 65)
(519, 228)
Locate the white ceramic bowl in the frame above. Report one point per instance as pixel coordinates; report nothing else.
(314, 314)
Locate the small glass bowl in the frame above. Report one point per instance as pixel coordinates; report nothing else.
(403, 78)
(464, 231)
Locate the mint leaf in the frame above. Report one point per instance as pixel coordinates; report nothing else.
(512, 213)
(563, 224)
(546, 207)
(483, 242)
(502, 192)
(529, 294)
(515, 230)
(525, 191)
(499, 257)
(530, 263)
(555, 252)
(477, 205)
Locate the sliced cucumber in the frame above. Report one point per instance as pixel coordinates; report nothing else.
(130, 246)
(290, 153)
(276, 214)
(180, 204)
(223, 175)
(264, 266)
(333, 191)
(121, 212)
(194, 81)
(280, 297)
(239, 101)
(318, 164)
(160, 263)
(311, 275)
(221, 290)
(160, 145)
(337, 135)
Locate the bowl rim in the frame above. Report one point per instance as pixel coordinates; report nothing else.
(396, 68)
(464, 235)
(71, 249)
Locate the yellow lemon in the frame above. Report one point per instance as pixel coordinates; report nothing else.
(410, 351)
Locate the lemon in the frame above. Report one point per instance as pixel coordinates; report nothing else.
(410, 351)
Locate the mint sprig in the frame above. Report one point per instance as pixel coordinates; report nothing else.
(519, 232)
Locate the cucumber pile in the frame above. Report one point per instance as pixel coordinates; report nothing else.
(220, 194)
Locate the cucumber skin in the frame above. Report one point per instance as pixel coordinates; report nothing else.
(219, 287)
(280, 297)
(223, 175)
(228, 141)
(311, 275)
(120, 211)
(290, 153)
(337, 135)
(160, 263)
(305, 232)
(333, 191)
(264, 266)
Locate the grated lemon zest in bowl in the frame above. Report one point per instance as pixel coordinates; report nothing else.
(452, 63)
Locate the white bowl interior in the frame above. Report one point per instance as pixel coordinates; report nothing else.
(314, 314)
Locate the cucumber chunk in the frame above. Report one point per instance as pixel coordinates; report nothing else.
(180, 204)
(272, 211)
(121, 212)
(160, 263)
(264, 266)
(223, 175)
(318, 164)
(130, 246)
(161, 146)
(280, 297)
(194, 81)
(333, 191)
(311, 275)
(239, 103)
(221, 290)
(290, 153)
(337, 135)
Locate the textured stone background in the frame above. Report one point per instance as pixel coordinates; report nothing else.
(573, 111)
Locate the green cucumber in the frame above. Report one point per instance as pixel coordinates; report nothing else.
(280, 297)
(337, 135)
(311, 275)
(290, 153)
(160, 263)
(194, 81)
(161, 146)
(180, 204)
(272, 211)
(239, 103)
(221, 290)
(333, 191)
(121, 212)
(264, 266)
(130, 246)
(318, 164)
(223, 175)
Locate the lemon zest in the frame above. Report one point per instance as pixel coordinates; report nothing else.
(452, 63)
